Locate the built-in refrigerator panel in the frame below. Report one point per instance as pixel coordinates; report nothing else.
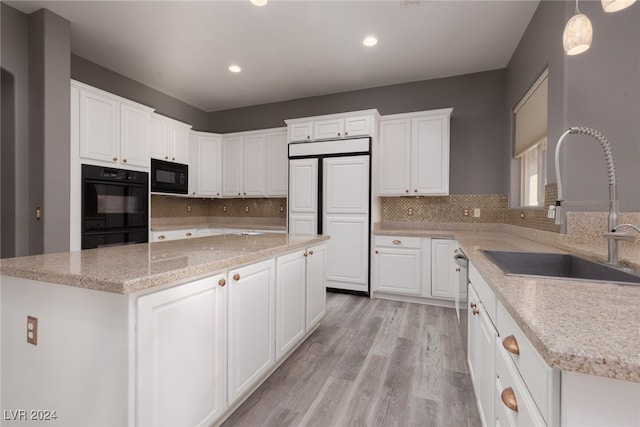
(329, 193)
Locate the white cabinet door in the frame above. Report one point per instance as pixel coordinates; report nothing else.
(397, 271)
(277, 164)
(303, 196)
(430, 155)
(159, 146)
(181, 354)
(395, 157)
(300, 132)
(444, 278)
(290, 301)
(346, 219)
(99, 127)
(358, 126)
(179, 140)
(251, 325)
(472, 335)
(328, 129)
(316, 287)
(208, 165)
(254, 168)
(232, 166)
(134, 136)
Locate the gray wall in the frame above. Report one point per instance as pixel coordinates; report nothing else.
(599, 89)
(479, 134)
(36, 70)
(15, 135)
(95, 75)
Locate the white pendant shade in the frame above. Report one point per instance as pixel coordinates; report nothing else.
(577, 34)
(616, 5)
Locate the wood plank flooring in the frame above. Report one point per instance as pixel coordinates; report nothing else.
(370, 363)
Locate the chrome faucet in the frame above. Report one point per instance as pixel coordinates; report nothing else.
(614, 210)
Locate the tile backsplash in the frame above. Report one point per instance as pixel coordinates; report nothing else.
(185, 207)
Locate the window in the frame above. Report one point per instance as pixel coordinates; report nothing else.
(531, 141)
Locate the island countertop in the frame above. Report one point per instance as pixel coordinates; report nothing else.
(130, 268)
(587, 327)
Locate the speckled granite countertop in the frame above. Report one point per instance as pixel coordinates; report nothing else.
(126, 269)
(592, 328)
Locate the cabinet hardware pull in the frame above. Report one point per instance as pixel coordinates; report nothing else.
(236, 277)
(406, 191)
(310, 252)
(476, 311)
(511, 344)
(115, 159)
(308, 137)
(305, 254)
(456, 251)
(124, 160)
(188, 234)
(161, 237)
(166, 157)
(222, 282)
(338, 133)
(397, 242)
(472, 305)
(173, 158)
(346, 133)
(509, 399)
(377, 252)
(415, 191)
(457, 269)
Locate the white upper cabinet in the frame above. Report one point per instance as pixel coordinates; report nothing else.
(208, 164)
(414, 157)
(254, 164)
(111, 129)
(169, 139)
(333, 126)
(277, 164)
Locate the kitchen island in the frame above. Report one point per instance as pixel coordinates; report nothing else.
(176, 332)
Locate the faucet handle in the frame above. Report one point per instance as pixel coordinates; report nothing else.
(627, 236)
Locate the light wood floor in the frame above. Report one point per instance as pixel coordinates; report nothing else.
(370, 363)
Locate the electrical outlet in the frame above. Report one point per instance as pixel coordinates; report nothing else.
(32, 330)
(522, 215)
(246, 208)
(476, 212)
(465, 211)
(188, 208)
(410, 211)
(281, 208)
(224, 208)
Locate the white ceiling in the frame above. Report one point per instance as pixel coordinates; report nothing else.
(289, 49)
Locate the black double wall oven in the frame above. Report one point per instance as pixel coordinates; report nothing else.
(115, 207)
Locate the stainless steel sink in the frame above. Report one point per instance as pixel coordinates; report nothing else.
(558, 266)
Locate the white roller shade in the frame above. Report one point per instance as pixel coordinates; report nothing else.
(531, 117)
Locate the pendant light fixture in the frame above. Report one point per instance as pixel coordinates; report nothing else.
(577, 34)
(616, 5)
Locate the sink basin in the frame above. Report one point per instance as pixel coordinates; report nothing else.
(558, 266)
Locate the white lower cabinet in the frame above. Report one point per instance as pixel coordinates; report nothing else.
(290, 300)
(316, 287)
(480, 352)
(252, 311)
(181, 354)
(396, 265)
(444, 274)
(300, 296)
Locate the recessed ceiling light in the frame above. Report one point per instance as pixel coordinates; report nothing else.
(235, 68)
(258, 3)
(370, 41)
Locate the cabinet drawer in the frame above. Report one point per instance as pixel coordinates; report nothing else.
(509, 384)
(486, 295)
(398, 242)
(540, 379)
